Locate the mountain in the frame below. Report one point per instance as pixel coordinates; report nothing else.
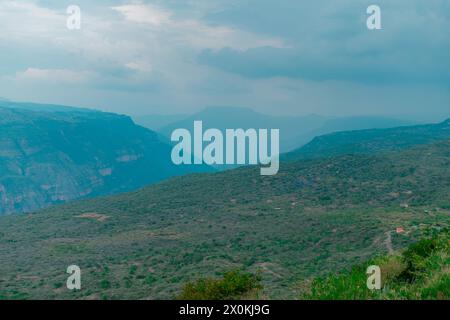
(36, 107)
(314, 217)
(223, 118)
(49, 157)
(372, 140)
(333, 125)
(294, 131)
(359, 123)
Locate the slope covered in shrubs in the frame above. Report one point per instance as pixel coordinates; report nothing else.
(419, 272)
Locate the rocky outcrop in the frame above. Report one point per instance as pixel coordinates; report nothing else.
(53, 157)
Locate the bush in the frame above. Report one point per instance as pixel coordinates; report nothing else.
(415, 258)
(233, 285)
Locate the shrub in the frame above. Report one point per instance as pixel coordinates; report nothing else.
(105, 284)
(233, 285)
(415, 258)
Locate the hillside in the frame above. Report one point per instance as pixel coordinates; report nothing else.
(314, 217)
(419, 272)
(355, 123)
(371, 140)
(49, 157)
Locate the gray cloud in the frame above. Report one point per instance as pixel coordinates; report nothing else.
(284, 56)
(331, 42)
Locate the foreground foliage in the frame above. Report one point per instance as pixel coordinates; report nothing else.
(233, 285)
(420, 272)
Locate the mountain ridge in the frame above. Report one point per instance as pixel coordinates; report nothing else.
(295, 131)
(371, 140)
(48, 157)
(37, 107)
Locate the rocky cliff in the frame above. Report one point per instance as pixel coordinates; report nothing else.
(49, 157)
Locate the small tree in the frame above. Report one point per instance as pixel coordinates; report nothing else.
(234, 284)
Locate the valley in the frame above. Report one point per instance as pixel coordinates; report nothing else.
(314, 217)
(214, 156)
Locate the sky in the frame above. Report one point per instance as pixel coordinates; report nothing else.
(280, 57)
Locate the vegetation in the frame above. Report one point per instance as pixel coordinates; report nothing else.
(420, 272)
(371, 141)
(234, 285)
(314, 217)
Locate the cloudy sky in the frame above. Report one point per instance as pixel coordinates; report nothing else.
(276, 56)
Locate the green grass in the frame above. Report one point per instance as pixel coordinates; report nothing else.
(420, 272)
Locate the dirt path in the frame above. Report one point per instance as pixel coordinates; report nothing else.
(388, 242)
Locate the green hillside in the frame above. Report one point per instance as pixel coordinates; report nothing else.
(419, 272)
(314, 217)
(371, 140)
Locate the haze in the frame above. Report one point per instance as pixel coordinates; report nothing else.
(278, 57)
